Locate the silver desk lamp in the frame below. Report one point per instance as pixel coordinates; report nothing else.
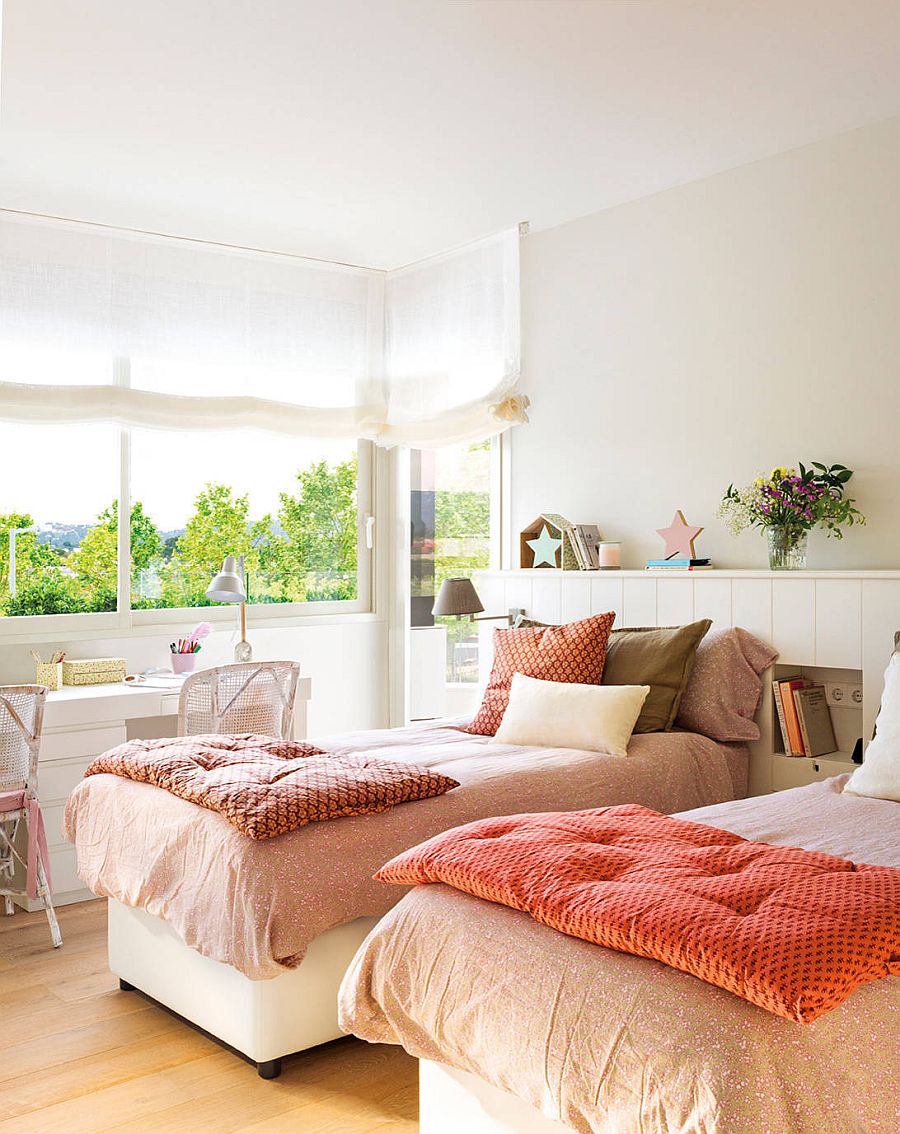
(230, 586)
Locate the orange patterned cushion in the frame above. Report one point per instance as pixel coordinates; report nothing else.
(791, 930)
(574, 652)
(267, 787)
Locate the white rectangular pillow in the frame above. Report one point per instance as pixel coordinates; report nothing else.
(561, 714)
(879, 774)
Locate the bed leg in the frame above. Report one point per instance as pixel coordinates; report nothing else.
(269, 1069)
(124, 986)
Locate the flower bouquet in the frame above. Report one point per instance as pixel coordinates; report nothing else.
(787, 504)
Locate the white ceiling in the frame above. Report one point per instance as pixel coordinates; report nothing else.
(380, 131)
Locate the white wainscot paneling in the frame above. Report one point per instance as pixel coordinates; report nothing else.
(492, 592)
(518, 594)
(880, 618)
(606, 594)
(839, 623)
(486, 650)
(794, 620)
(639, 602)
(751, 606)
(546, 598)
(576, 599)
(674, 601)
(712, 599)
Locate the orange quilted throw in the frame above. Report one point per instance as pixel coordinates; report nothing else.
(791, 930)
(575, 652)
(267, 787)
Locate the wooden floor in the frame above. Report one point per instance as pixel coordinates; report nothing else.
(77, 1055)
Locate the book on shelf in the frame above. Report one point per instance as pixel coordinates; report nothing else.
(577, 551)
(587, 537)
(782, 720)
(673, 562)
(671, 566)
(816, 728)
(786, 688)
(803, 717)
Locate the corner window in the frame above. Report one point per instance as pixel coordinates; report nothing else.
(451, 537)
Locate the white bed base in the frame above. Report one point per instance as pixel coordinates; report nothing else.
(451, 1101)
(262, 1019)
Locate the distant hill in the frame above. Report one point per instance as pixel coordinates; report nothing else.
(65, 537)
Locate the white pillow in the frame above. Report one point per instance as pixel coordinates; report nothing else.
(879, 775)
(560, 714)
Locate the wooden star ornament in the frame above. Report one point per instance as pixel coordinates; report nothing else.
(679, 537)
(545, 548)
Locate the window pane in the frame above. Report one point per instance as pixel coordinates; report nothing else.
(288, 506)
(451, 510)
(62, 483)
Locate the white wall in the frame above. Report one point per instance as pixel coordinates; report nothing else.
(345, 661)
(693, 338)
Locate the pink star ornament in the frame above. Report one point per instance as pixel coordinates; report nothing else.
(679, 537)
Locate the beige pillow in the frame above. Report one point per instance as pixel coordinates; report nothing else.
(659, 656)
(563, 714)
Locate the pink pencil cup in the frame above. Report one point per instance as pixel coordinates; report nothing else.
(183, 663)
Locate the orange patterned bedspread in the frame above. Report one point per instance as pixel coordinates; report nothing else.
(791, 930)
(267, 787)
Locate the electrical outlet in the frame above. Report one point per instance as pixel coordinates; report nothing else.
(842, 693)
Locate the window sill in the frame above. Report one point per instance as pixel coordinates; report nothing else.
(62, 628)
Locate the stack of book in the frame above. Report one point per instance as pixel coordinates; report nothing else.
(584, 539)
(679, 565)
(804, 717)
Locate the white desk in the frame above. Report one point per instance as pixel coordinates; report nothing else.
(80, 722)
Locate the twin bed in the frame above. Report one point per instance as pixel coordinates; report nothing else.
(524, 1030)
(249, 938)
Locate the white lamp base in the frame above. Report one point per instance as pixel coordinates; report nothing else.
(243, 652)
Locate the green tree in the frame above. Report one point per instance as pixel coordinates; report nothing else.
(36, 563)
(52, 593)
(317, 557)
(94, 562)
(220, 526)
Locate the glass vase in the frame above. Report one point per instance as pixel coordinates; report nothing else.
(787, 548)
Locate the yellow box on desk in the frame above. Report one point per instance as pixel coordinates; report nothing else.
(93, 671)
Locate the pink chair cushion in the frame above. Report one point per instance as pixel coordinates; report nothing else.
(12, 800)
(37, 836)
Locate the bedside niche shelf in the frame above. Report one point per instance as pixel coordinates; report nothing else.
(847, 720)
(824, 624)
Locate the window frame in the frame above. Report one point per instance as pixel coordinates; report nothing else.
(498, 523)
(124, 619)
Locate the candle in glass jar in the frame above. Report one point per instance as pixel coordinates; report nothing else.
(610, 556)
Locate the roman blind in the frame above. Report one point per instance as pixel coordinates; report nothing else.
(106, 325)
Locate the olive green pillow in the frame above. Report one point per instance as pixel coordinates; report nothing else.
(659, 656)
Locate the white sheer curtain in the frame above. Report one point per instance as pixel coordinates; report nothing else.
(219, 338)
